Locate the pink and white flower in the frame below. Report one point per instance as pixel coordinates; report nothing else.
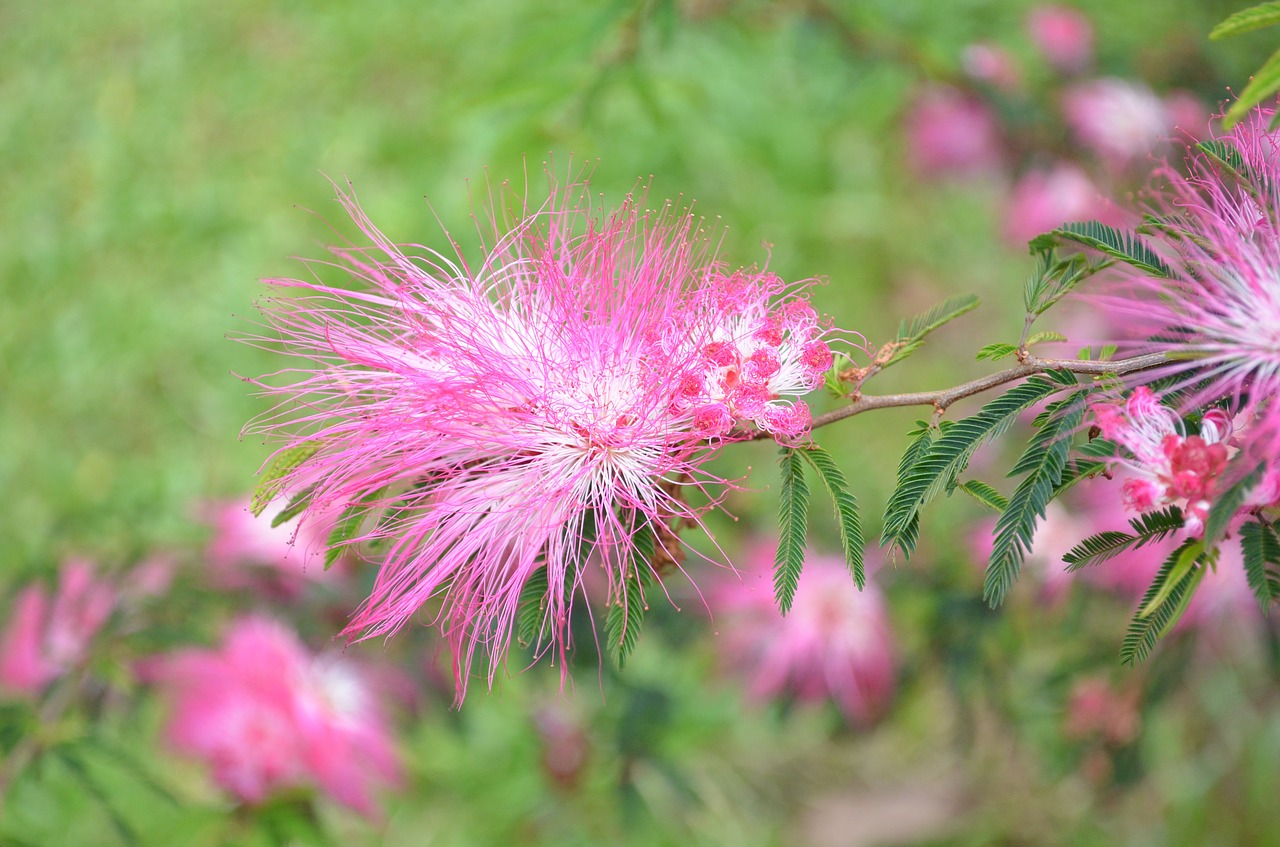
(266, 716)
(533, 409)
(835, 643)
(1118, 119)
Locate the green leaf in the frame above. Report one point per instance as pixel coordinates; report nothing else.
(1226, 504)
(1099, 448)
(296, 506)
(1145, 630)
(1247, 20)
(995, 352)
(793, 529)
(1122, 246)
(1261, 548)
(284, 462)
(1043, 463)
(1181, 568)
(626, 615)
(948, 455)
(531, 613)
(348, 526)
(1264, 83)
(985, 494)
(921, 441)
(1098, 548)
(1045, 336)
(946, 311)
(846, 510)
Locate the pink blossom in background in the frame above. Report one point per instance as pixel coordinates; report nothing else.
(247, 552)
(1188, 114)
(585, 367)
(1098, 710)
(989, 63)
(952, 133)
(835, 643)
(265, 715)
(1119, 119)
(1063, 36)
(1042, 200)
(45, 637)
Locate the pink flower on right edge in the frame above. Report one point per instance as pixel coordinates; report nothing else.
(265, 716)
(835, 643)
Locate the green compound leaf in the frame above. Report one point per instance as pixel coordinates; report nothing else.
(1145, 630)
(943, 313)
(846, 507)
(1122, 246)
(1226, 504)
(284, 463)
(995, 352)
(793, 529)
(1043, 463)
(944, 458)
(348, 527)
(1261, 550)
(1247, 20)
(1097, 549)
(626, 616)
(531, 613)
(297, 505)
(985, 494)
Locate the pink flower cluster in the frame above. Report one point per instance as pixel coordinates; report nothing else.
(580, 374)
(1167, 465)
(835, 643)
(266, 716)
(45, 636)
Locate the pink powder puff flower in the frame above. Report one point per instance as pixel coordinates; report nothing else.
(44, 638)
(534, 409)
(1044, 199)
(1063, 36)
(266, 716)
(835, 642)
(950, 132)
(1167, 466)
(247, 552)
(1217, 312)
(991, 64)
(1118, 119)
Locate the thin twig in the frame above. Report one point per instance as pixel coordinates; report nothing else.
(943, 398)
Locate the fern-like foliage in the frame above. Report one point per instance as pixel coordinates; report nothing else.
(793, 529)
(924, 473)
(348, 527)
(1226, 504)
(1122, 246)
(626, 616)
(296, 506)
(846, 507)
(1042, 465)
(985, 494)
(269, 483)
(1148, 528)
(1145, 629)
(1261, 561)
